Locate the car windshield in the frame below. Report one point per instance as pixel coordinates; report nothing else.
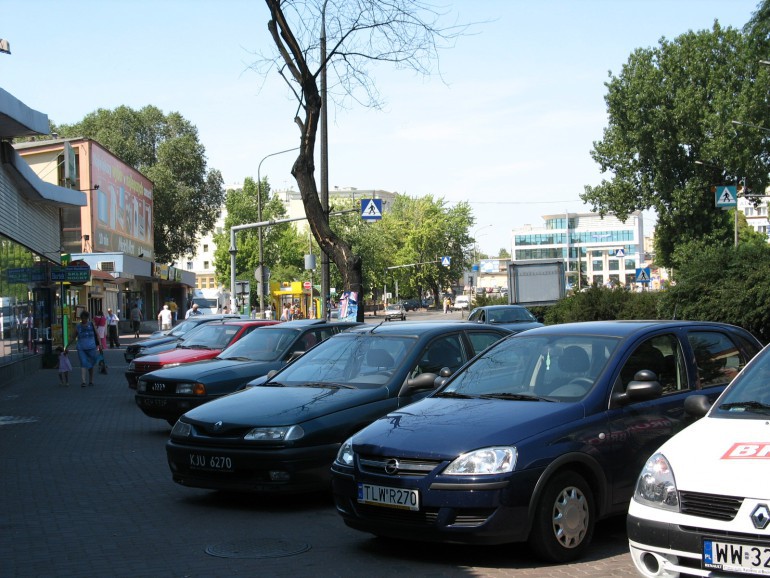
(749, 394)
(210, 336)
(393, 307)
(184, 327)
(262, 345)
(558, 367)
(511, 315)
(360, 360)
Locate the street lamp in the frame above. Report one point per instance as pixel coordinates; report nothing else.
(261, 275)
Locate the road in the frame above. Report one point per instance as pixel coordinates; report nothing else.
(86, 491)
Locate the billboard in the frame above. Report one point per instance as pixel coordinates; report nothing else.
(122, 207)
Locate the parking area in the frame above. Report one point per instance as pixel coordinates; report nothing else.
(86, 491)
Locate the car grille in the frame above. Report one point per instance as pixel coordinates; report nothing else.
(159, 388)
(397, 466)
(428, 517)
(710, 506)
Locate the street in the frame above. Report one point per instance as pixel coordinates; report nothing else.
(86, 491)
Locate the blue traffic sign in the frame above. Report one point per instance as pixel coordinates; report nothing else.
(371, 209)
(726, 196)
(643, 275)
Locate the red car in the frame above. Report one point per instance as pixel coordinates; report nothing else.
(204, 342)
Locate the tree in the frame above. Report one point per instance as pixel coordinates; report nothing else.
(165, 148)
(402, 32)
(671, 106)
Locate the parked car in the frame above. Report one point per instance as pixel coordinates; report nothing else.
(537, 438)
(514, 317)
(168, 393)
(170, 339)
(410, 304)
(461, 302)
(282, 434)
(702, 503)
(204, 342)
(395, 311)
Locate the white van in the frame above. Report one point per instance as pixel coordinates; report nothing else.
(462, 302)
(702, 502)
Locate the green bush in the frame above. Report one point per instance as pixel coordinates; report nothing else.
(601, 303)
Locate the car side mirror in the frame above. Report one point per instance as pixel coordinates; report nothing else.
(423, 381)
(270, 374)
(644, 387)
(697, 405)
(294, 355)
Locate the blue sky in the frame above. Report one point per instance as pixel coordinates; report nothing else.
(509, 129)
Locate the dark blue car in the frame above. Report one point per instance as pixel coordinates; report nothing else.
(536, 438)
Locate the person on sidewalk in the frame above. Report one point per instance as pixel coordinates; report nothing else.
(136, 319)
(113, 322)
(64, 366)
(88, 348)
(100, 321)
(165, 318)
(193, 311)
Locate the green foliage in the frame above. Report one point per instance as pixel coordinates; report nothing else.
(601, 303)
(165, 148)
(673, 105)
(722, 283)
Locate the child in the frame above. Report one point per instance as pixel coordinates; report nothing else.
(64, 366)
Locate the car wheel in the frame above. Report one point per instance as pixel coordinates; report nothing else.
(564, 519)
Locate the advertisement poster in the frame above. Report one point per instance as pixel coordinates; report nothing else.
(122, 206)
(348, 306)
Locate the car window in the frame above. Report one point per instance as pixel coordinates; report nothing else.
(443, 352)
(480, 340)
(662, 355)
(749, 395)
(717, 358)
(477, 315)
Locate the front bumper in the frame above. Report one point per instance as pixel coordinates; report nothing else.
(278, 470)
(167, 407)
(490, 513)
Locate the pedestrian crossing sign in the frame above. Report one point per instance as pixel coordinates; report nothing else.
(643, 275)
(446, 261)
(726, 197)
(371, 209)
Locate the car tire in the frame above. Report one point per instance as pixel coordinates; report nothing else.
(563, 523)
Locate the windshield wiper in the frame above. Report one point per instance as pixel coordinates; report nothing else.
(453, 394)
(749, 405)
(241, 358)
(514, 396)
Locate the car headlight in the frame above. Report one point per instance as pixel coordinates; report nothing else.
(141, 385)
(131, 366)
(181, 430)
(345, 455)
(191, 389)
(171, 365)
(656, 486)
(275, 434)
(484, 462)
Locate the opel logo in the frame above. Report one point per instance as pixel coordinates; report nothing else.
(760, 517)
(391, 467)
(218, 426)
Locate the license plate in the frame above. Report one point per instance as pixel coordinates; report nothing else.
(738, 557)
(149, 402)
(388, 497)
(204, 462)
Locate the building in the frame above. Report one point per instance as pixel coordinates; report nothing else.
(30, 245)
(606, 250)
(112, 234)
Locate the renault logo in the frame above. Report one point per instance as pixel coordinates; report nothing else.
(760, 517)
(391, 467)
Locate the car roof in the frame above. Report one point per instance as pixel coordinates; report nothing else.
(621, 328)
(301, 323)
(500, 307)
(415, 328)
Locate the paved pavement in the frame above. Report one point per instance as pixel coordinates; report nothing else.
(85, 491)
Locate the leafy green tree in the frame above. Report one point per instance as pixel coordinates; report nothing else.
(673, 105)
(165, 148)
(282, 247)
(722, 283)
(602, 303)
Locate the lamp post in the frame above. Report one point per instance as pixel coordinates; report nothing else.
(261, 275)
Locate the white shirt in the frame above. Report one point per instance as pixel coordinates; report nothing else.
(165, 316)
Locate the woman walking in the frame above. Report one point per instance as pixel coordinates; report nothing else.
(88, 347)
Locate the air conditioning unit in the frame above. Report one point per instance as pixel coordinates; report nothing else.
(108, 266)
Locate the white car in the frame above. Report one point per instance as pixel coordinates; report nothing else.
(462, 302)
(702, 502)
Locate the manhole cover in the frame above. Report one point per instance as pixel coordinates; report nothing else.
(263, 549)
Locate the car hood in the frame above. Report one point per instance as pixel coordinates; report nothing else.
(179, 355)
(720, 456)
(265, 405)
(147, 343)
(518, 326)
(442, 427)
(211, 371)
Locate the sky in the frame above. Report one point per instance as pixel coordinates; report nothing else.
(507, 126)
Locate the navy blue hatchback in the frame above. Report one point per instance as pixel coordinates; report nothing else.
(536, 438)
